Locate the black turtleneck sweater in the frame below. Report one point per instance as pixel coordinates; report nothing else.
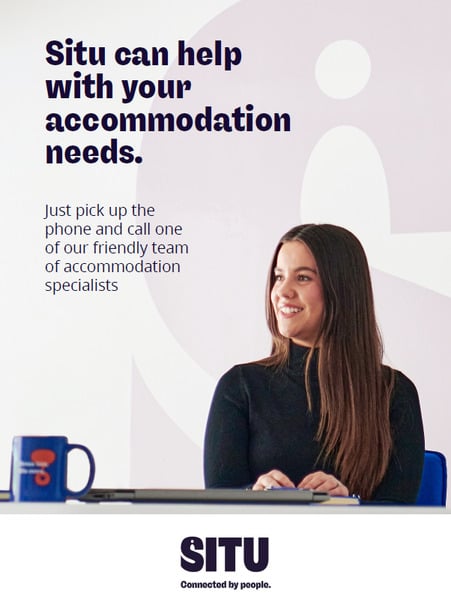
(259, 421)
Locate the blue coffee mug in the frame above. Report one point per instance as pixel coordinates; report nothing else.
(39, 469)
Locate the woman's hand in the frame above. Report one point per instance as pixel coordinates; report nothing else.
(272, 479)
(325, 483)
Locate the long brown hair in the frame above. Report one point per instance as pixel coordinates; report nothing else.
(355, 388)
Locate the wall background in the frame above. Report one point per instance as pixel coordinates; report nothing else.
(131, 374)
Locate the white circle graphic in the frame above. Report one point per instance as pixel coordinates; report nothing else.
(343, 69)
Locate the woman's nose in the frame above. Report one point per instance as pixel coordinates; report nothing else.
(285, 289)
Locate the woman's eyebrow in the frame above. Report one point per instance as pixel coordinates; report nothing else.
(301, 268)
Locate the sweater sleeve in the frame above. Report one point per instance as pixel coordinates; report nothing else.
(226, 437)
(402, 480)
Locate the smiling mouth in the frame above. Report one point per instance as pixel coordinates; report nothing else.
(289, 310)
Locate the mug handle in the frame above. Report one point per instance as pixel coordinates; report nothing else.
(92, 470)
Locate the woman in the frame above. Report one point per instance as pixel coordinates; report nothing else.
(321, 412)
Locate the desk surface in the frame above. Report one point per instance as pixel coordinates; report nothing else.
(73, 507)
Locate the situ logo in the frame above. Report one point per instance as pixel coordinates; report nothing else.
(222, 553)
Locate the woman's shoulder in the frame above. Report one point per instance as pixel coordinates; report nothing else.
(403, 385)
(245, 377)
(405, 394)
(247, 370)
(405, 409)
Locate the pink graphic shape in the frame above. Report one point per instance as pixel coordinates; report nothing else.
(236, 193)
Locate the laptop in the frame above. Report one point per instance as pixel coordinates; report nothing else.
(220, 496)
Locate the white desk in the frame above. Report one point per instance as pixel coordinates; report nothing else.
(74, 507)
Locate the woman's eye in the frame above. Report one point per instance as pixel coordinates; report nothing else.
(303, 278)
(277, 277)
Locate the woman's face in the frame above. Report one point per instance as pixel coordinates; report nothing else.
(297, 295)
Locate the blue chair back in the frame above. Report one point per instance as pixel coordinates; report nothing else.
(433, 483)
